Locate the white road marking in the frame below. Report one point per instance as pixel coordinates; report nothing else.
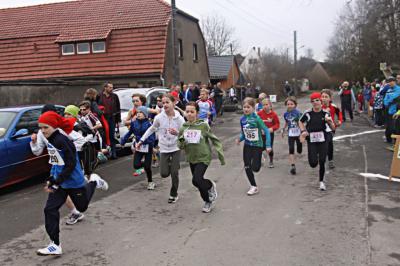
(371, 175)
(358, 134)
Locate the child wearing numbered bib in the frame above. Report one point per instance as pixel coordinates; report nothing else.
(167, 124)
(271, 120)
(66, 177)
(292, 118)
(313, 125)
(194, 138)
(251, 133)
(138, 127)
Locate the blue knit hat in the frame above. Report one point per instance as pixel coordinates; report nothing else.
(143, 110)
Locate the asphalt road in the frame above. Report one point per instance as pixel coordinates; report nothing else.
(355, 222)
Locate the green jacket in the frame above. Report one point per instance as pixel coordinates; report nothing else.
(199, 151)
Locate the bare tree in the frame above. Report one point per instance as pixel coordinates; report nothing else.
(218, 35)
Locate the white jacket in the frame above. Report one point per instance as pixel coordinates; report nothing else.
(166, 141)
(41, 141)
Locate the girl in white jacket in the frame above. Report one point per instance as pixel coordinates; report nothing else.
(167, 124)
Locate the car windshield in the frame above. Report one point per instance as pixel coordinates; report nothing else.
(5, 121)
(125, 100)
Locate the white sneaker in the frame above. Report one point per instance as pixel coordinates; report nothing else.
(322, 186)
(252, 191)
(151, 186)
(51, 249)
(101, 183)
(207, 207)
(212, 193)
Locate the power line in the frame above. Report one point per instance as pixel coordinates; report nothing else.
(251, 22)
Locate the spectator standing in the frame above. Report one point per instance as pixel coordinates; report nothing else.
(185, 95)
(250, 91)
(195, 91)
(288, 90)
(378, 107)
(218, 98)
(347, 100)
(112, 113)
(391, 101)
(232, 94)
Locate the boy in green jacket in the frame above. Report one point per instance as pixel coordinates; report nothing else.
(194, 137)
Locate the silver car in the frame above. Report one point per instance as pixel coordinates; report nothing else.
(125, 99)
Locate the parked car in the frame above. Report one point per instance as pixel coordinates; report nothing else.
(17, 162)
(125, 99)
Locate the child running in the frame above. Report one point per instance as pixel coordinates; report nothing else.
(292, 118)
(313, 124)
(138, 127)
(251, 127)
(194, 137)
(205, 105)
(333, 110)
(271, 120)
(66, 177)
(167, 124)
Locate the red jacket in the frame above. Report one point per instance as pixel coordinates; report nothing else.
(271, 120)
(334, 110)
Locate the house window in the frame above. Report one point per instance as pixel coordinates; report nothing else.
(83, 48)
(68, 49)
(253, 61)
(180, 48)
(99, 47)
(195, 54)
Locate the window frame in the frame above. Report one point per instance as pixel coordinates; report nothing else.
(98, 51)
(85, 52)
(195, 53)
(180, 48)
(68, 44)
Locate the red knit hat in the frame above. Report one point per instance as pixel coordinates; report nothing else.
(175, 94)
(315, 95)
(57, 121)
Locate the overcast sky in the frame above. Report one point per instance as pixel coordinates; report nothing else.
(261, 23)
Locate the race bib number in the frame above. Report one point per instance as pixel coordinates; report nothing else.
(294, 132)
(317, 137)
(192, 136)
(54, 156)
(143, 148)
(251, 134)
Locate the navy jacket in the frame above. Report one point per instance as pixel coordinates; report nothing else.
(138, 128)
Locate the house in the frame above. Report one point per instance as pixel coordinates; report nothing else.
(319, 77)
(54, 52)
(251, 61)
(224, 69)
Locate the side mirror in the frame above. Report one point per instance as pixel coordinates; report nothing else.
(20, 133)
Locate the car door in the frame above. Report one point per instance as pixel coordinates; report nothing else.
(152, 97)
(21, 159)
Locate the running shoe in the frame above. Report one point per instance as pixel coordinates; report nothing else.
(207, 207)
(322, 186)
(138, 172)
(293, 170)
(51, 249)
(212, 192)
(73, 218)
(151, 186)
(252, 191)
(100, 183)
(172, 199)
(331, 164)
(271, 165)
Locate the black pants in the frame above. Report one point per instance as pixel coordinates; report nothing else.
(252, 162)
(88, 158)
(329, 140)
(379, 117)
(204, 185)
(148, 158)
(389, 124)
(271, 154)
(317, 155)
(299, 145)
(347, 107)
(80, 197)
(113, 141)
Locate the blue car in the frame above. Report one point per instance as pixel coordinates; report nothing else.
(17, 162)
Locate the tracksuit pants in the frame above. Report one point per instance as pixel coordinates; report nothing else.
(252, 162)
(80, 197)
(169, 165)
(204, 185)
(317, 152)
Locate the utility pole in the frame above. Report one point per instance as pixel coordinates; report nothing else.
(175, 52)
(233, 68)
(295, 53)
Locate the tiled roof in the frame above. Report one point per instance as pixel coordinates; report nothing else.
(220, 66)
(82, 19)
